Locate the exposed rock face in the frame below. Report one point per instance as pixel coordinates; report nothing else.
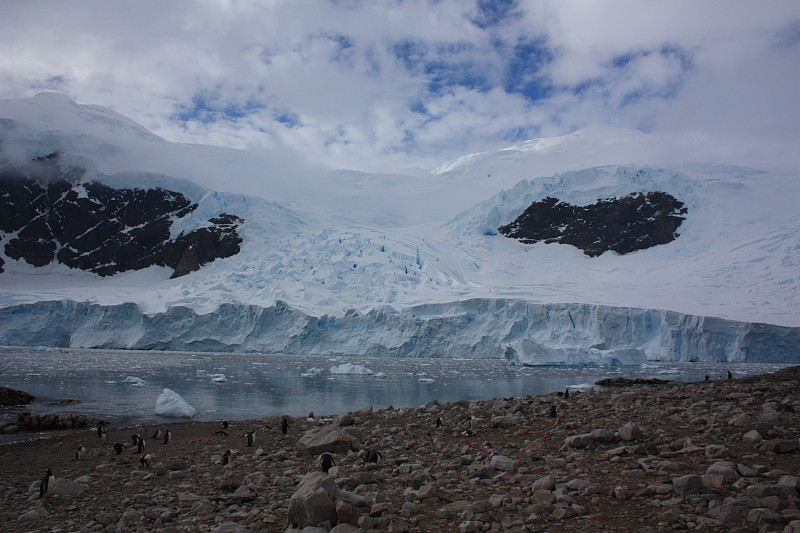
(14, 397)
(622, 225)
(94, 227)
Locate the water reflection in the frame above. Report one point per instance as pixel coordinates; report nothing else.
(238, 386)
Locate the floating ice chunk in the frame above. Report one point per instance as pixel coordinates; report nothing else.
(426, 380)
(350, 368)
(170, 403)
(134, 381)
(581, 387)
(218, 378)
(380, 375)
(312, 372)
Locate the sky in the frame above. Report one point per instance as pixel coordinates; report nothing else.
(405, 85)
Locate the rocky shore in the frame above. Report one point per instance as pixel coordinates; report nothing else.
(709, 456)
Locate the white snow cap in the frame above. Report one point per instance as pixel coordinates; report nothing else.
(171, 404)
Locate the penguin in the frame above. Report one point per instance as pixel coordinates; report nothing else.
(80, 452)
(326, 462)
(225, 424)
(146, 460)
(101, 433)
(156, 435)
(47, 483)
(372, 456)
(730, 376)
(140, 445)
(118, 447)
(226, 456)
(707, 378)
(552, 412)
(167, 437)
(566, 394)
(251, 438)
(439, 422)
(220, 433)
(284, 425)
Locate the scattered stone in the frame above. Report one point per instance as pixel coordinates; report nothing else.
(630, 432)
(688, 485)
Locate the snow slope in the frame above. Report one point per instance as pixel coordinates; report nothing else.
(326, 244)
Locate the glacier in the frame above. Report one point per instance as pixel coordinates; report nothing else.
(520, 332)
(349, 263)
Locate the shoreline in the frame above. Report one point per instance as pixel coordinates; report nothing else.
(493, 465)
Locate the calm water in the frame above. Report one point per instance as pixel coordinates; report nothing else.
(122, 386)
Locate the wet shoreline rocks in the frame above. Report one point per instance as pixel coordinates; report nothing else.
(10, 396)
(708, 456)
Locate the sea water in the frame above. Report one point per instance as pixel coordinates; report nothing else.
(122, 386)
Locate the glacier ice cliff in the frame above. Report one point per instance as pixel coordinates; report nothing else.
(518, 331)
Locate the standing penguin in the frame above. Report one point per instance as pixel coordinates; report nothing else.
(156, 435)
(251, 438)
(140, 445)
(326, 462)
(146, 460)
(372, 456)
(101, 433)
(47, 483)
(80, 452)
(284, 425)
(566, 394)
(225, 424)
(167, 436)
(226, 456)
(552, 412)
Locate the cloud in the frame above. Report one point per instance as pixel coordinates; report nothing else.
(405, 85)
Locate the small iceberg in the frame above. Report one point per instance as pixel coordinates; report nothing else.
(426, 380)
(350, 368)
(133, 381)
(171, 404)
(311, 372)
(218, 378)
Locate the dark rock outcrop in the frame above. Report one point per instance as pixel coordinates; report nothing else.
(94, 227)
(622, 225)
(14, 397)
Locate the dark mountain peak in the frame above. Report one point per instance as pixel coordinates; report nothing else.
(623, 225)
(104, 230)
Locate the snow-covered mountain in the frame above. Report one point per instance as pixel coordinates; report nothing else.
(351, 263)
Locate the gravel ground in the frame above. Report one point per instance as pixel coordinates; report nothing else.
(707, 456)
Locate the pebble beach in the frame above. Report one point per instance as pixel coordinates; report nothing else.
(707, 456)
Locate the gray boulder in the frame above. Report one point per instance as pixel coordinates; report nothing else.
(331, 439)
(314, 502)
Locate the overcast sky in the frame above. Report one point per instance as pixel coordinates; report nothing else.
(398, 86)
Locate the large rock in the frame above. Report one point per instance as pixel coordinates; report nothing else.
(331, 439)
(721, 475)
(14, 397)
(53, 421)
(314, 502)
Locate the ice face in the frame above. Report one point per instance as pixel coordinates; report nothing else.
(520, 332)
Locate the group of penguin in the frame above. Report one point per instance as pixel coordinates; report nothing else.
(325, 461)
(137, 441)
